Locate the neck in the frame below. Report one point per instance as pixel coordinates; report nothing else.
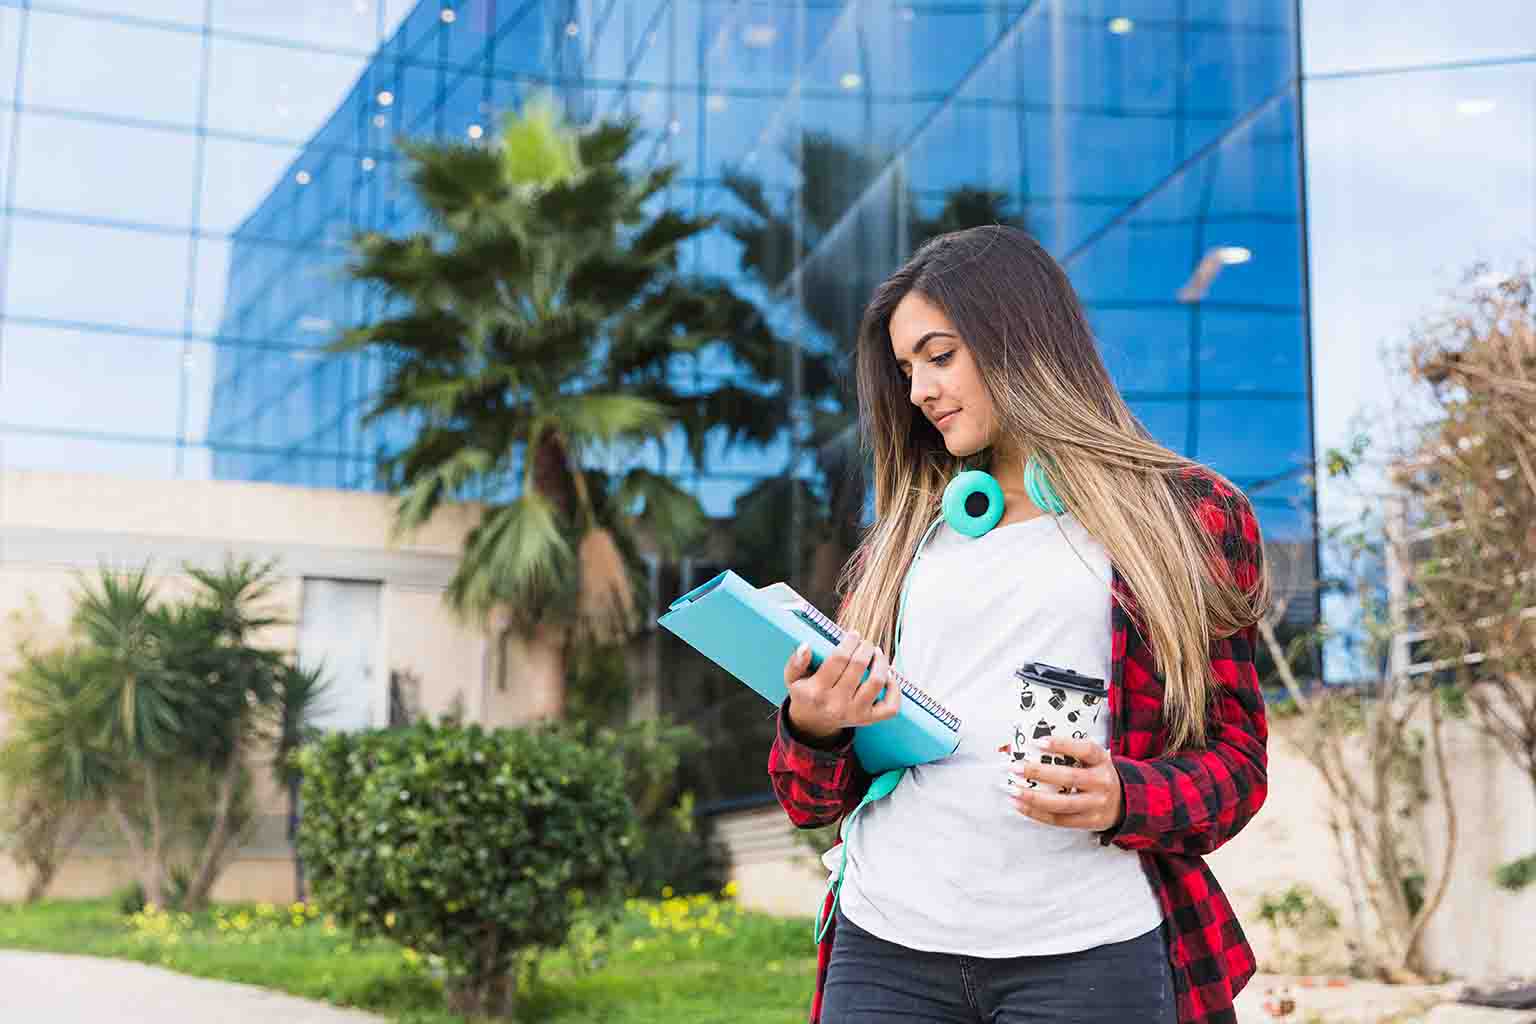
(1008, 471)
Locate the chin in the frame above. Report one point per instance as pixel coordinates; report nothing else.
(961, 447)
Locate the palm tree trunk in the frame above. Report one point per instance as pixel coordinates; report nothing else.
(149, 875)
(212, 859)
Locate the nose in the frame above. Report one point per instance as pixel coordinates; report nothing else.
(922, 387)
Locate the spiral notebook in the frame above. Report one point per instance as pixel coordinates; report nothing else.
(751, 632)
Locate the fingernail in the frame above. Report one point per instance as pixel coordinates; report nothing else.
(802, 651)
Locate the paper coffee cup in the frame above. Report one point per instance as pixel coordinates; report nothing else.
(1054, 702)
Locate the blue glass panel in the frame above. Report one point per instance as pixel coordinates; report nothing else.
(98, 275)
(276, 92)
(718, 494)
(650, 41)
(1350, 37)
(338, 24)
(418, 95)
(10, 49)
(1252, 438)
(1168, 420)
(118, 383)
(1252, 351)
(64, 454)
(521, 43)
(465, 39)
(180, 12)
(151, 74)
(238, 176)
(1145, 349)
(92, 169)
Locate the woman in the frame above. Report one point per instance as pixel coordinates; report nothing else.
(1079, 893)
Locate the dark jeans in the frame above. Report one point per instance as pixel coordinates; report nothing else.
(871, 981)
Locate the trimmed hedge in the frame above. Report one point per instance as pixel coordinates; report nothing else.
(475, 846)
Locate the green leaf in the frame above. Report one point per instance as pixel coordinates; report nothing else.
(536, 148)
(517, 554)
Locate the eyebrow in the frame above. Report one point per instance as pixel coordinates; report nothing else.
(923, 341)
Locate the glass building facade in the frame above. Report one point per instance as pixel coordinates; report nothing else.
(182, 178)
(1421, 173)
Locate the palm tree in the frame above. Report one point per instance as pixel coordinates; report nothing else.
(841, 196)
(151, 702)
(539, 328)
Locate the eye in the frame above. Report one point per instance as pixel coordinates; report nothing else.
(943, 360)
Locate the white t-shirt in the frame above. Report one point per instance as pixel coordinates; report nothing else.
(945, 863)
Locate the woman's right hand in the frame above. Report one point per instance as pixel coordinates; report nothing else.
(832, 698)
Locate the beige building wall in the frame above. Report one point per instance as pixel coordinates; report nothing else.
(1481, 932)
(55, 526)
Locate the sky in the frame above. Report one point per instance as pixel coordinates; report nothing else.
(1420, 134)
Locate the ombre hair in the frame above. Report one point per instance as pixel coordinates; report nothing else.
(1021, 320)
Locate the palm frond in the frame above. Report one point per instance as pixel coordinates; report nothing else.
(669, 515)
(516, 555)
(588, 417)
(430, 488)
(535, 150)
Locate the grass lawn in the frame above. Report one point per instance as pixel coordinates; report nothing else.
(671, 961)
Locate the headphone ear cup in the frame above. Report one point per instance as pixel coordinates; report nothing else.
(973, 503)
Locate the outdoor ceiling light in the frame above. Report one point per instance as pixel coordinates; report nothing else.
(386, 98)
(851, 80)
(448, 16)
(475, 131)
(1121, 26)
(759, 35)
(715, 103)
(302, 178)
(1210, 265)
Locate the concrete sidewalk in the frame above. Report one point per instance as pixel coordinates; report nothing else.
(1352, 1001)
(49, 988)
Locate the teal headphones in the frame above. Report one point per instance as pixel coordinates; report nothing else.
(972, 505)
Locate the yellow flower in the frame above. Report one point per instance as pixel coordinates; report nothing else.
(389, 919)
(732, 888)
(666, 892)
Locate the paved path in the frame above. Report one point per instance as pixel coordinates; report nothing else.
(1350, 1001)
(49, 988)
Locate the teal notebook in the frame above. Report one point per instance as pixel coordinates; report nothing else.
(751, 632)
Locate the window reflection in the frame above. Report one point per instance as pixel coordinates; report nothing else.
(146, 74)
(1350, 37)
(90, 168)
(102, 456)
(344, 24)
(182, 12)
(98, 275)
(275, 92)
(118, 383)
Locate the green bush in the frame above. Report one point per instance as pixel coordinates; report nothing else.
(674, 848)
(473, 846)
(678, 852)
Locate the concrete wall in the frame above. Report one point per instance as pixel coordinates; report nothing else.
(53, 526)
(1480, 931)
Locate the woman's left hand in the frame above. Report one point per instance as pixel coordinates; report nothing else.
(1093, 800)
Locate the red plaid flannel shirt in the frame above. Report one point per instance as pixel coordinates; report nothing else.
(1177, 806)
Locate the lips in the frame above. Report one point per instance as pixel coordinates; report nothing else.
(948, 417)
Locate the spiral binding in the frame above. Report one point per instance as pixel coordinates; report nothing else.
(818, 620)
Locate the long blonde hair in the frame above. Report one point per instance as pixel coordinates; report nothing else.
(1021, 321)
